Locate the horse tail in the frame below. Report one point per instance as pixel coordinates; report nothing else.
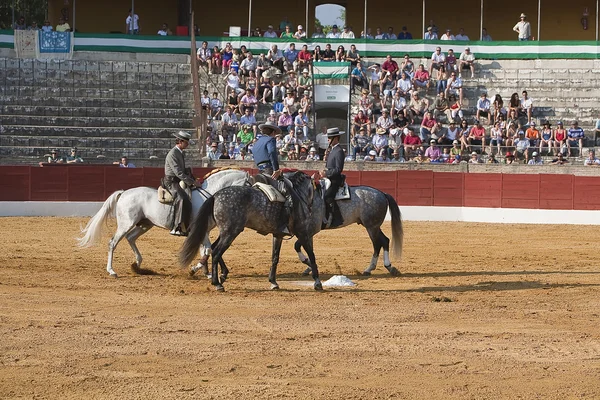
(397, 230)
(197, 233)
(93, 229)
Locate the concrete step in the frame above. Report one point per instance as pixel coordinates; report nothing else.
(91, 65)
(100, 122)
(50, 142)
(182, 93)
(88, 132)
(58, 101)
(96, 112)
(89, 154)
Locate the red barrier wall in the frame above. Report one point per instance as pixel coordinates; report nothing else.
(410, 188)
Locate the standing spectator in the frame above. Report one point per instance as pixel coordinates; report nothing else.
(405, 34)
(485, 36)
(575, 137)
(319, 33)
(74, 158)
(47, 27)
(132, 24)
(20, 24)
(483, 108)
(347, 33)
(270, 33)
(203, 56)
(63, 26)
(461, 35)
(124, 163)
(430, 34)
(300, 33)
(287, 33)
(448, 35)
(390, 66)
(523, 28)
(591, 161)
(467, 61)
(334, 33)
(526, 106)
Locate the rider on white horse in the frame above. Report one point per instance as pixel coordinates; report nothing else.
(175, 174)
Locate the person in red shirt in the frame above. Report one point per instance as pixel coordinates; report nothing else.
(477, 136)
(361, 121)
(421, 78)
(427, 124)
(304, 58)
(390, 66)
(412, 143)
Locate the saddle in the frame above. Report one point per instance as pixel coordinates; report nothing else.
(164, 194)
(343, 192)
(275, 190)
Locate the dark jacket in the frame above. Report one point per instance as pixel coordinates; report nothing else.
(335, 163)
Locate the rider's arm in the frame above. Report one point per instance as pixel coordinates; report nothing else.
(272, 151)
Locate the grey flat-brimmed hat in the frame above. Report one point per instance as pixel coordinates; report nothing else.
(333, 132)
(183, 135)
(270, 125)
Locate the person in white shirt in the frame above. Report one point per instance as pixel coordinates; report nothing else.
(485, 36)
(334, 34)
(47, 27)
(461, 35)
(132, 26)
(438, 59)
(523, 28)
(164, 30)
(347, 33)
(430, 34)
(300, 33)
(318, 34)
(483, 108)
(591, 160)
(466, 60)
(270, 33)
(448, 35)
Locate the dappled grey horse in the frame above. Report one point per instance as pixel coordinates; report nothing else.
(234, 208)
(137, 210)
(368, 206)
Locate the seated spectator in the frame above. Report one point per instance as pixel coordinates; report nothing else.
(404, 85)
(397, 156)
(455, 87)
(485, 36)
(396, 139)
(433, 152)
(276, 57)
(203, 56)
(304, 83)
(412, 143)
(301, 123)
(33, 27)
(533, 134)
(399, 105)
(477, 136)
(461, 35)
(165, 31)
(492, 159)
(467, 61)
(525, 106)
(285, 121)
(427, 125)
(452, 133)
(124, 163)
(74, 158)
(591, 161)
(390, 33)
(246, 135)
(205, 100)
(287, 33)
(47, 27)
(365, 104)
(464, 132)
(318, 33)
(328, 54)
(438, 133)
(430, 34)
(249, 119)
(546, 138)
(233, 83)
(421, 78)
(257, 32)
(455, 150)
(249, 102)
(63, 26)
(417, 106)
(559, 160)
(438, 59)
(353, 56)
(448, 35)
(347, 33)
(475, 158)
(359, 77)
(575, 138)
(441, 80)
(536, 159)
(509, 158)
(522, 145)
(371, 156)
(211, 127)
(498, 107)
(20, 24)
(312, 155)
(290, 56)
(405, 34)
(340, 54)
(229, 122)
(379, 142)
(226, 58)
(54, 158)
(368, 35)
(361, 120)
(451, 61)
(391, 66)
(300, 33)
(270, 33)
(216, 61)
(360, 143)
(248, 65)
(291, 142)
(496, 137)
(304, 59)
(334, 33)
(483, 108)
(387, 87)
(379, 34)
(385, 121)
(441, 106)
(214, 153)
(408, 66)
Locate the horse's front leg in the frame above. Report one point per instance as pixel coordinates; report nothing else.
(274, 261)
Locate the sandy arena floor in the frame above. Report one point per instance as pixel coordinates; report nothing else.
(479, 312)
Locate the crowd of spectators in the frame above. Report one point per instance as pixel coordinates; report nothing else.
(21, 25)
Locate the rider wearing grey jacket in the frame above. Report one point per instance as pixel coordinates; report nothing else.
(175, 172)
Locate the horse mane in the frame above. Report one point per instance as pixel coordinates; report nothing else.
(217, 170)
(301, 188)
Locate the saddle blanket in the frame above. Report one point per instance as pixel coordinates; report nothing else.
(272, 194)
(343, 192)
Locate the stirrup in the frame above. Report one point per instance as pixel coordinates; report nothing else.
(178, 232)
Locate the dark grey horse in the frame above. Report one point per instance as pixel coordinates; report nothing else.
(233, 208)
(368, 206)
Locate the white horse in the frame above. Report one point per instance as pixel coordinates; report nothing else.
(137, 210)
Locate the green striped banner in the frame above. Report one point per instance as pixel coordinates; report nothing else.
(331, 70)
(502, 50)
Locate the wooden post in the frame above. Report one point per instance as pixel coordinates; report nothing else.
(199, 121)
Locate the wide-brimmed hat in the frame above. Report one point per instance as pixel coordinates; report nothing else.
(312, 149)
(372, 153)
(305, 71)
(183, 135)
(270, 125)
(523, 15)
(333, 132)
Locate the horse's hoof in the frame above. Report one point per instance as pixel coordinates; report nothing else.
(192, 272)
(307, 271)
(219, 288)
(223, 278)
(366, 273)
(393, 271)
(318, 286)
(114, 275)
(274, 286)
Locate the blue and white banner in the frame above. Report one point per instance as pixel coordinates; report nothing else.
(44, 45)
